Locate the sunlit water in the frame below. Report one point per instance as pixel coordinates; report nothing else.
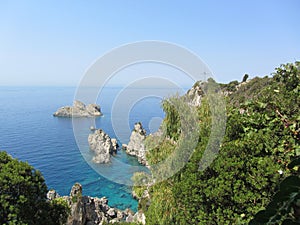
(29, 132)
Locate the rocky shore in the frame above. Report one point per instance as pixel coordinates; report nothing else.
(79, 109)
(86, 210)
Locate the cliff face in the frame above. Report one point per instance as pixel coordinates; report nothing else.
(102, 145)
(195, 95)
(79, 109)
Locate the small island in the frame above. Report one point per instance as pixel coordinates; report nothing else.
(79, 109)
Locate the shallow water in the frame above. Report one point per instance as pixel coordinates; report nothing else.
(29, 132)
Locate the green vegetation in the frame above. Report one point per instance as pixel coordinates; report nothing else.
(285, 205)
(23, 196)
(253, 179)
(261, 139)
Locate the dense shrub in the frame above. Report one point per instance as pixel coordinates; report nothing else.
(262, 137)
(23, 195)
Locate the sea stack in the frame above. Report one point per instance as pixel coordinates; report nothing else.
(102, 145)
(136, 146)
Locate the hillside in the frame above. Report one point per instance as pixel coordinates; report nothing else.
(262, 137)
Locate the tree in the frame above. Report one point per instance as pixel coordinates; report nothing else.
(23, 195)
(245, 77)
(262, 137)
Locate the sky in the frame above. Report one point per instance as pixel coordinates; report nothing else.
(53, 43)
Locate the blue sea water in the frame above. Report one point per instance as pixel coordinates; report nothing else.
(29, 132)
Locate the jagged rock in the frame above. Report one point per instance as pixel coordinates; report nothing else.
(129, 219)
(102, 145)
(128, 212)
(115, 144)
(136, 146)
(120, 214)
(139, 217)
(86, 210)
(93, 109)
(77, 211)
(112, 213)
(52, 194)
(76, 190)
(79, 109)
(195, 94)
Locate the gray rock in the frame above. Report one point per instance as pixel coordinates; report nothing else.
(136, 146)
(77, 212)
(120, 214)
(124, 146)
(94, 110)
(129, 218)
(195, 94)
(139, 217)
(112, 213)
(102, 145)
(115, 145)
(79, 109)
(52, 194)
(85, 210)
(76, 190)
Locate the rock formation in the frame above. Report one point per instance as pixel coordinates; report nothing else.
(195, 94)
(136, 146)
(102, 145)
(52, 194)
(79, 109)
(86, 210)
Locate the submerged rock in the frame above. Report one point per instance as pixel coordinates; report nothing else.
(79, 109)
(136, 145)
(102, 145)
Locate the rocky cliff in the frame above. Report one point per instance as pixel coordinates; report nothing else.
(79, 109)
(86, 210)
(136, 145)
(102, 145)
(195, 94)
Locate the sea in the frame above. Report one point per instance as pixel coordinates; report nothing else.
(30, 132)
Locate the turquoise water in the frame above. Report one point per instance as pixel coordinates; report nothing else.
(29, 132)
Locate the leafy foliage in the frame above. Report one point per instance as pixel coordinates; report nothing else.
(172, 118)
(285, 205)
(262, 137)
(23, 195)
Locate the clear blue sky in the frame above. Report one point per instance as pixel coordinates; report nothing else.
(54, 42)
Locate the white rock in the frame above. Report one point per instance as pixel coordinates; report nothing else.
(102, 146)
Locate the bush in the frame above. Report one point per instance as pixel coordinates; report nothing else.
(262, 137)
(23, 195)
